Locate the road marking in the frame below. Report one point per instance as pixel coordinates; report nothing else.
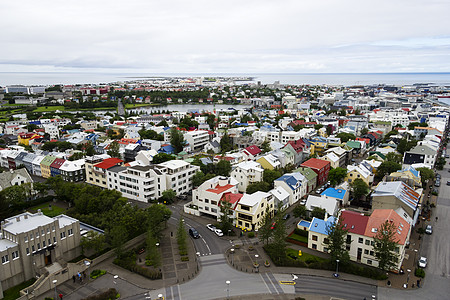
(209, 250)
(287, 282)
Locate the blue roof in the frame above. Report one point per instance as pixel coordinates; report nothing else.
(304, 223)
(334, 193)
(413, 171)
(290, 180)
(320, 226)
(167, 149)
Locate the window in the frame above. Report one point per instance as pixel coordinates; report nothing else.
(28, 251)
(49, 242)
(371, 253)
(32, 248)
(314, 237)
(369, 262)
(366, 251)
(314, 246)
(31, 236)
(42, 232)
(5, 259)
(26, 238)
(48, 230)
(53, 228)
(70, 232)
(39, 246)
(15, 255)
(54, 239)
(43, 244)
(63, 235)
(360, 240)
(367, 242)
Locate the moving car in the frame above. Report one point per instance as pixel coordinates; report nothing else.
(194, 233)
(448, 182)
(423, 262)
(218, 232)
(211, 227)
(429, 229)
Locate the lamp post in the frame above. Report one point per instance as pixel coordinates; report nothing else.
(232, 256)
(88, 264)
(228, 288)
(160, 296)
(54, 283)
(256, 263)
(337, 268)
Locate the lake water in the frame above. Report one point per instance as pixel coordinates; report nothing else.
(187, 107)
(41, 78)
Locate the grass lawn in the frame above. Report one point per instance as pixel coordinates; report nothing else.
(14, 292)
(49, 108)
(21, 104)
(56, 210)
(306, 257)
(299, 238)
(128, 105)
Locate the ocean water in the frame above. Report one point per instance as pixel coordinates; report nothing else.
(346, 79)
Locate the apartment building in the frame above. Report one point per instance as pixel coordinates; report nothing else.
(246, 173)
(321, 167)
(96, 168)
(73, 171)
(251, 209)
(197, 139)
(294, 184)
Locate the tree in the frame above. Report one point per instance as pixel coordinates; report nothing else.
(336, 241)
(93, 240)
(176, 139)
(360, 188)
(405, 145)
(113, 150)
(385, 245)
(364, 131)
(318, 126)
(211, 121)
(279, 238)
(258, 186)
(76, 156)
(153, 256)
(226, 220)
(299, 211)
(265, 147)
(151, 134)
(395, 157)
(387, 167)
(117, 236)
(168, 196)
(181, 236)
(162, 157)
(345, 137)
(318, 213)
(157, 216)
(337, 175)
(223, 168)
(270, 176)
(329, 129)
(197, 179)
(225, 143)
(425, 175)
(264, 231)
(343, 112)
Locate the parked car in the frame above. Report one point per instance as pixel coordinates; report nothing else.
(423, 262)
(194, 233)
(218, 232)
(438, 176)
(429, 229)
(286, 216)
(448, 182)
(437, 183)
(211, 227)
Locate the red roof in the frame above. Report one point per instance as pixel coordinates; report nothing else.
(363, 140)
(57, 163)
(232, 198)
(298, 145)
(315, 163)
(228, 158)
(108, 163)
(253, 150)
(379, 216)
(220, 188)
(354, 222)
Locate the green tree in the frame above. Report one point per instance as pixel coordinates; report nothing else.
(279, 238)
(211, 121)
(265, 147)
(299, 211)
(337, 175)
(425, 175)
(76, 156)
(329, 130)
(153, 256)
(336, 241)
(223, 168)
(168, 196)
(405, 145)
(318, 212)
(150, 134)
(364, 131)
(384, 246)
(117, 237)
(345, 137)
(270, 176)
(197, 179)
(264, 231)
(113, 149)
(360, 188)
(176, 139)
(258, 186)
(157, 216)
(387, 167)
(181, 236)
(94, 241)
(395, 157)
(225, 143)
(162, 157)
(226, 213)
(318, 126)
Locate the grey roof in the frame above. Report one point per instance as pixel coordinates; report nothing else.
(116, 169)
(422, 149)
(6, 177)
(215, 144)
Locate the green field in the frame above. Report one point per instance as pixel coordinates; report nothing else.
(49, 108)
(129, 106)
(14, 292)
(55, 211)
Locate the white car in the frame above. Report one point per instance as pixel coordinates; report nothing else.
(211, 227)
(423, 262)
(218, 232)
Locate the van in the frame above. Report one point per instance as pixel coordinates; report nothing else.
(194, 233)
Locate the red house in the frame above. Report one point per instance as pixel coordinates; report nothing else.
(321, 167)
(251, 152)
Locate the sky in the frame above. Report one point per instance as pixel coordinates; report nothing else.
(215, 36)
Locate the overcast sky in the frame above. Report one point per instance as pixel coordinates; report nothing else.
(245, 36)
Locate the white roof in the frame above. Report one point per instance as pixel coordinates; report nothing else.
(65, 220)
(329, 204)
(72, 165)
(5, 244)
(332, 156)
(279, 193)
(247, 165)
(254, 199)
(174, 164)
(24, 225)
(360, 169)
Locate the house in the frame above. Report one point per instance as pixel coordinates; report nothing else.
(395, 194)
(25, 138)
(251, 209)
(362, 229)
(333, 159)
(45, 166)
(146, 156)
(420, 154)
(321, 167)
(341, 195)
(14, 177)
(300, 148)
(251, 152)
(311, 178)
(269, 162)
(96, 168)
(294, 184)
(281, 197)
(28, 162)
(55, 167)
(317, 233)
(73, 171)
(359, 172)
(131, 150)
(331, 205)
(213, 146)
(247, 172)
(31, 242)
(408, 175)
(197, 139)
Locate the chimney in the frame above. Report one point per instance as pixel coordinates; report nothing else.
(326, 217)
(18, 219)
(25, 216)
(223, 181)
(39, 212)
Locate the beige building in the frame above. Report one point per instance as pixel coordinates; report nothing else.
(251, 209)
(97, 167)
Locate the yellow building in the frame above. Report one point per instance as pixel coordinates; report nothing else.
(269, 162)
(359, 172)
(251, 209)
(25, 138)
(45, 166)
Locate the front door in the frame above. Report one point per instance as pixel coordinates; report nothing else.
(48, 259)
(358, 258)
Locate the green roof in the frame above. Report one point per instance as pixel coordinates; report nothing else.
(377, 153)
(48, 160)
(354, 144)
(307, 172)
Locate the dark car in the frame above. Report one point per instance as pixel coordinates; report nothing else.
(194, 233)
(286, 216)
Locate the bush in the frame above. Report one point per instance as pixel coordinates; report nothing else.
(420, 273)
(128, 261)
(420, 230)
(301, 232)
(185, 258)
(97, 273)
(109, 294)
(251, 235)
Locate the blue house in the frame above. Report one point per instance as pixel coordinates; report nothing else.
(168, 149)
(317, 233)
(340, 194)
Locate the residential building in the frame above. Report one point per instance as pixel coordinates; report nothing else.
(246, 173)
(251, 209)
(251, 152)
(178, 176)
(73, 171)
(281, 197)
(36, 165)
(311, 178)
(420, 154)
(197, 139)
(341, 195)
(96, 168)
(269, 162)
(45, 166)
(330, 205)
(408, 175)
(14, 177)
(321, 167)
(359, 172)
(317, 233)
(55, 167)
(294, 184)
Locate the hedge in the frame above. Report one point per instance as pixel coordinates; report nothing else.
(108, 295)
(127, 261)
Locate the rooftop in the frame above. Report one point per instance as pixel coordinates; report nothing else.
(334, 193)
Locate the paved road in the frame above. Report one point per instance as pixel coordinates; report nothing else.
(334, 288)
(436, 248)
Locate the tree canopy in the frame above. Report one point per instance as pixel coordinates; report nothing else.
(387, 167)
(345, 137)
(336, 241)
(385, 245)
(360, 188)
(337, 175)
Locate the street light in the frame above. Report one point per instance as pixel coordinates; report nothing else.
(88, 264)
(256, 263)
(160, 296)
(232, 256)
(54, 282)
(337, 268)
(228, 288)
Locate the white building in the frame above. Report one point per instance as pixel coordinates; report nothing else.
(197, 139)
(294, 184)
(246, 173)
